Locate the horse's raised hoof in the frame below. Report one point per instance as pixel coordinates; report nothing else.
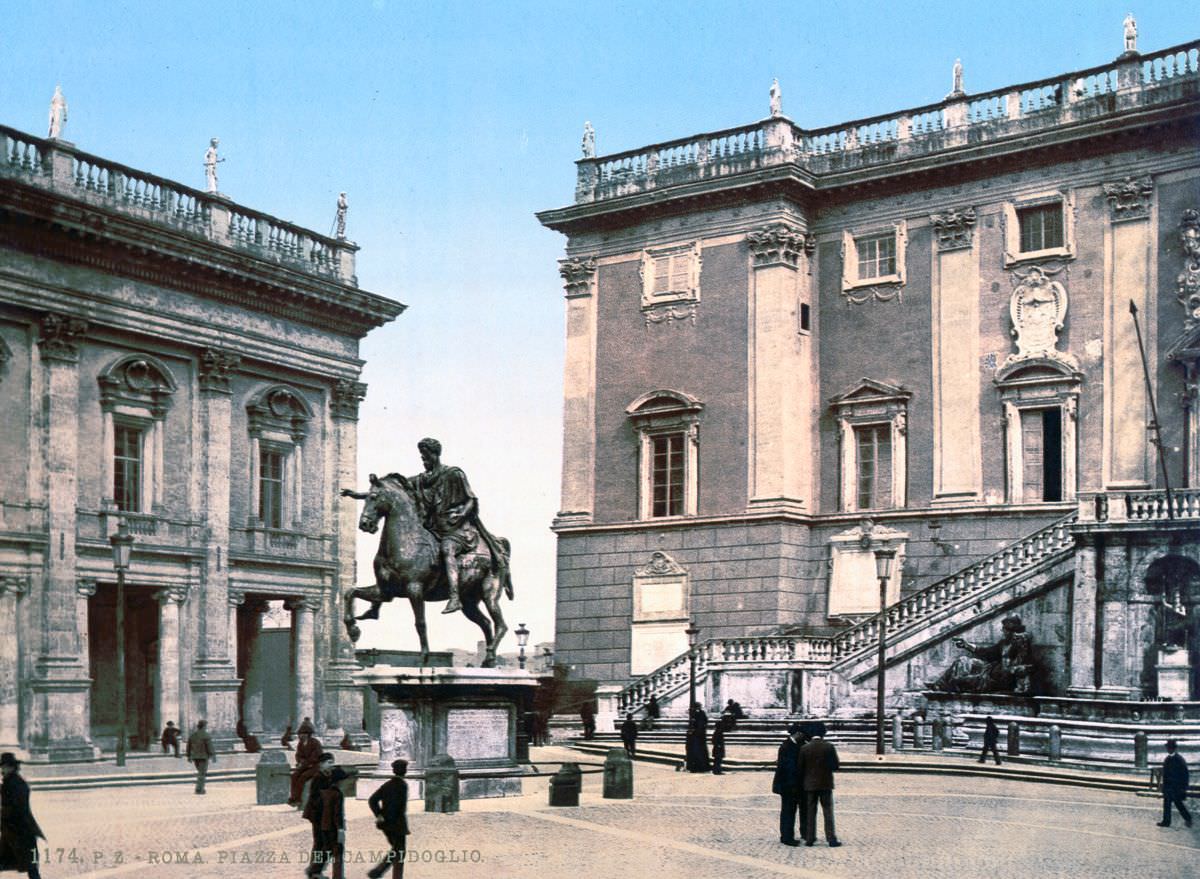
(355, 632)
(371, 613)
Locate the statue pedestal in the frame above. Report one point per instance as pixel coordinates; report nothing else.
(473, 714)
(1174, 674)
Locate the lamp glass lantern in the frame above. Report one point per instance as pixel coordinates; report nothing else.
(122, 545)
(883, 563)
(522, 634)
(692, 634)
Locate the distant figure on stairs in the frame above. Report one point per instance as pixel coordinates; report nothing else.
(653, 712)
(587, 714)
(697, 740)
(629, 734)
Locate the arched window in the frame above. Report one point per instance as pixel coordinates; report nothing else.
(278, 419)
(135, 395)
(668, 428)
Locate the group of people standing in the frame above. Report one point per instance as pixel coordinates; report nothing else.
(803, 778)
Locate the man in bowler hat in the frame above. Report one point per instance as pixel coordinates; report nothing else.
(818, 762)
(200, 750)
(629, 734)
(787, 784)
(1174, 785)
(390, 807)
(19, 832)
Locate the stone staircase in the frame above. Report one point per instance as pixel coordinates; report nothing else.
(986, 586)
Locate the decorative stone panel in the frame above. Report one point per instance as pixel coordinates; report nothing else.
(61, 336)
(578, 275)
(955, 228)
(215, 369)
(1187, 284)
(345, 399)
(1130, 199)
(779, 245)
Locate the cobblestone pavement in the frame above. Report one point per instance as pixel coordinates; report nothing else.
(679, 825)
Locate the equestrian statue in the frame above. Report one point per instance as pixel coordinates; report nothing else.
(433, 548)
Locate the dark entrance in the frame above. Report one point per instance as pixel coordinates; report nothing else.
(1174, 584)
(141, 665)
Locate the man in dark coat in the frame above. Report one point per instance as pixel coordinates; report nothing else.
(653, 712)
(390, 807)
(629, 734)
(308, 753)
(1174, 786)
(787, 784)
(19, 832)
(991, 738)
(314, 814)
(170, 738)
(818, 762)
(718, 744)
(696, 745)
(200, 751)
(587, 714)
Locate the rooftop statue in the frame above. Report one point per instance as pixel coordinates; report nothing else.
(58, 113)
(340, 219)
(589, 141)
(210, 164)
(1004, 667)
(956, 80)
(1130, 34)
(776, 99)
(434, 548)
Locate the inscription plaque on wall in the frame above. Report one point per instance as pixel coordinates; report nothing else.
(477, 733)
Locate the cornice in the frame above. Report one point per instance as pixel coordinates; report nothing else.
(50, 224)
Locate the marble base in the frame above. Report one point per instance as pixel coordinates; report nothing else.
(472, 714)
(1174, 674)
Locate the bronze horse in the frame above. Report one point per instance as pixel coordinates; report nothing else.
(409, 564)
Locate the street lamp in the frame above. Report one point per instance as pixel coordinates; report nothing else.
(883, 570)
(122, 545)
(522, 639)
(692, 635)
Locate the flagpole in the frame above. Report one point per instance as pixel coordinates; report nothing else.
(1158, 442)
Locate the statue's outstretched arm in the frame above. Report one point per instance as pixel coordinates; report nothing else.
(357, 495)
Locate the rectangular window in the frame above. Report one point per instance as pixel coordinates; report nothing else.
(1041, 455)
(127, 468)
(874, 465)
(270, 488)
(805, 317)
(671, 273)
(876, 256)
(1041, 227)
(666, 475)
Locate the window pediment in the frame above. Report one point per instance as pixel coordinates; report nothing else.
(137, 381)
(663, 405)
(870, 397)
(279, 409)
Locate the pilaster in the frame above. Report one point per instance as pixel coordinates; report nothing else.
(579, 391)
(781, 370)
(167, 684)
(11, 638)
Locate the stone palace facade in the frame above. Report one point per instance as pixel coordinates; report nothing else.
(788, 347)
(189, 365)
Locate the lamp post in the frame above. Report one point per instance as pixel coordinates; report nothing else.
(883, 570)
(692, 635)
(522, 639)
(122, 544)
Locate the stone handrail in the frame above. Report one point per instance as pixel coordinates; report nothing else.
(1139, 506)
(1014, 559)
(956, 121)
(59, 165)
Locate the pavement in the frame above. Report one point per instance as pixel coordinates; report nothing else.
(677, 825)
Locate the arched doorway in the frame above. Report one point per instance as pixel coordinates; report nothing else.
(1174, 583)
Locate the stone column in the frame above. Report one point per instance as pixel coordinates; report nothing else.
(304, 611)
(957, 467)
(1084, 674)
(579, 391)
(11, 638)
(166, 697)
(214, 680)
(59, 713)
(1129, 276)
(255, 679)
(343, 699)
(781, 372)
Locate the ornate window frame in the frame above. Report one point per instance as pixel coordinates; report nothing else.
(850, 278)
(871, 403)
(678, 301)
(1013, 255)
(666, 412)
(135, 390)
(278, 418)
(853, 588)
(1033, 384)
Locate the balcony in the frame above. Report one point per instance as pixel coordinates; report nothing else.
(1130, 86)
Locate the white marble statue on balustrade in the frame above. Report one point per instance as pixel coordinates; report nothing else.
(956, 89)
(589, 141)
(1130, 35)
(210, 164)
(776, 99)
(340, 220)
(58, 113)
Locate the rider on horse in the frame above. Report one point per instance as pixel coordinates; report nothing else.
(451, 512)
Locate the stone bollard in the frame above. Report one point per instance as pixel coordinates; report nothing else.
(1055, 744)
(441, 784)
(939, 731)
(565, 785)
(897, 732)
(1014, 739)
(618, 775)
(1141, 749)
(273, 778)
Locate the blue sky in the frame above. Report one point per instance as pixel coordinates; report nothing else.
(449, 124)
